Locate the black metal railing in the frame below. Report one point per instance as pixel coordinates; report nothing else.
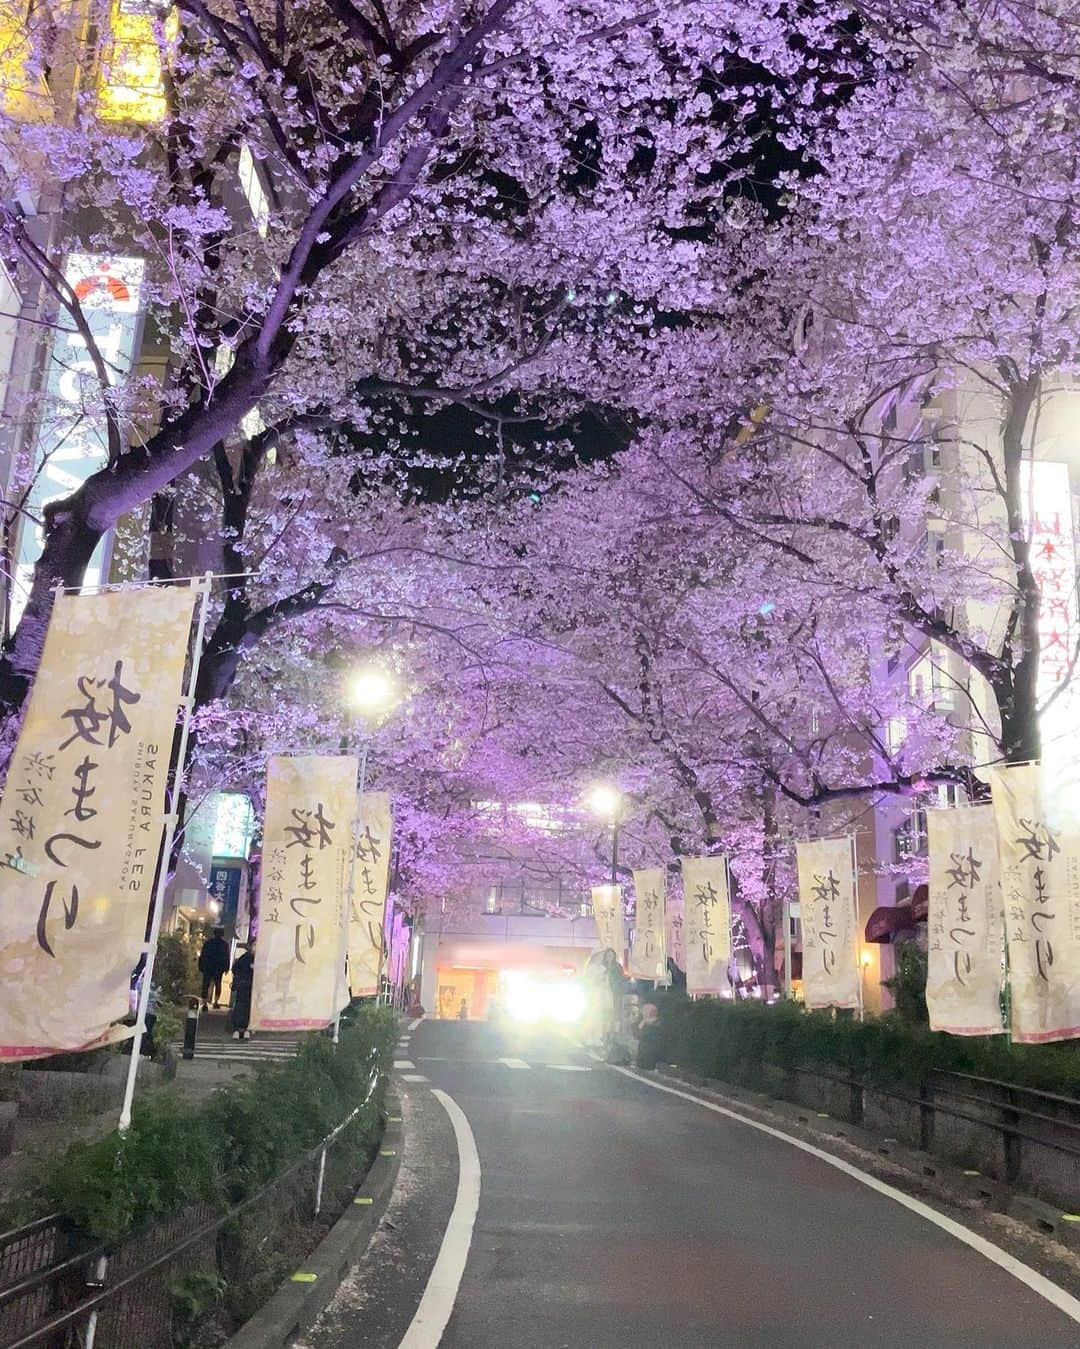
(54, 1295)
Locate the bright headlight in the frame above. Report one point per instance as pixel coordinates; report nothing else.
(525, 1002)
(567, 1004)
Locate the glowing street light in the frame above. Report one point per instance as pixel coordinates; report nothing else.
(604, 799)
(372, 690)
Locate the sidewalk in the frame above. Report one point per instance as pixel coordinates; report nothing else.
(219, 1059)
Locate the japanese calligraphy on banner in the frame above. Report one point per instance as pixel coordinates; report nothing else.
(648, 956)
(965, 923)
(1039, 848)
(676, 947)
(307, 837)
(608, 915)
(83, 813)
(830, 928)
(706, 924)
(371, 881)
(1047, 502)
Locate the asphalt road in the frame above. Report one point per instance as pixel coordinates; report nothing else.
(613, 1216)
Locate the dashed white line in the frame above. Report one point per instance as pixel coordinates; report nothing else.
(569, 1067)
(1037, 1282)
(513, 1063)
(413, 1077)
(427, 1326)
(404, 1063)
(413, 1024)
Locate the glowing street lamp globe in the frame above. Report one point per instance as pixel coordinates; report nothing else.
(604, 800)
(371, 691)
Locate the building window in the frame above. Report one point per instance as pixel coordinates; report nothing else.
(895, 734)
(910, 838)
(131, 87)
(253, 190)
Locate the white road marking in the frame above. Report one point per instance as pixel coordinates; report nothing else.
(413, 1024)
(427, 1326)
(429, 1058)
(413, 1077)
(569, 1067)
(404, 1063)
(1037, 1282)
(512, 1063)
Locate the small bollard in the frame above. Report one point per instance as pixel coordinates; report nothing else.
(191, 1029)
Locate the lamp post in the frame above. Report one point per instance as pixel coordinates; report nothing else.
(605, 800)
(371, 692)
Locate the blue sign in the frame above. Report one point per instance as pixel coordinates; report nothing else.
(225, 881)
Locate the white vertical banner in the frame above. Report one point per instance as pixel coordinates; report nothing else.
(648, 955)
(1047, 502)
(371, 883)
(83, 815)
(965, 924)
(1038, 826)
(676, 946)
(610, 922)
(307, 844)
(830, 924)
(706, 923)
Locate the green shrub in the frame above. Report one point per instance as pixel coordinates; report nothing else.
(218, 1150)
(908, 984)
(729, 1041)
(176, 969)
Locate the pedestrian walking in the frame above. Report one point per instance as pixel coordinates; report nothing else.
(213, 962)
(243, 975)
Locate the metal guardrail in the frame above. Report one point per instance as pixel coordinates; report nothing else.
(82, 1275)
(929, 1097)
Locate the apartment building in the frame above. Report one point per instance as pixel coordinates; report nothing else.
(955, 468)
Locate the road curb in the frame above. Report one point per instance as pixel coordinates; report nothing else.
(298, 1302)
(969, 1186)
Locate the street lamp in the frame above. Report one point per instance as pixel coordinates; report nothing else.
(371, 692)
(604, 800)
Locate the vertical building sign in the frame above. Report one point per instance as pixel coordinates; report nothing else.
(648, 956)
(307, 839)
(706, 924)
(370, 883)
(72, 441)
(82, 816)
(829, 911)
(610, 922)
(1039, 847)
(965, 923)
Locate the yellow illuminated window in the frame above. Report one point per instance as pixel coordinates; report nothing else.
(130, 85)
(24, 95)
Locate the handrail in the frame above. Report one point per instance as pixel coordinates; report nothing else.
(1012, 1086)
(76, 1313)
(1000, 1126)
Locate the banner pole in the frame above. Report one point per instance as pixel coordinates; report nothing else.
(785, 911)
(858, 939)
(172, 806)
(347, 907)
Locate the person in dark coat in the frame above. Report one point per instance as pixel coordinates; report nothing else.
(213, 962)
(243, 975)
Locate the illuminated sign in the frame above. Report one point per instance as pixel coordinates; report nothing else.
(71, 442)
(1048, 515)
